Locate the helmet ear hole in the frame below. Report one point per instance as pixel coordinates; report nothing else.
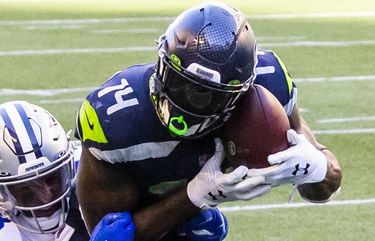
(4, 173)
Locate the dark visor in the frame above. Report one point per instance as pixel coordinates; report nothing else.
(202, 99)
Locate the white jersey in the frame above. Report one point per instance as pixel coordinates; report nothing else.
(11, 232)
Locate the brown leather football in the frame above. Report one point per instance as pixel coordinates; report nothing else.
(256, 129)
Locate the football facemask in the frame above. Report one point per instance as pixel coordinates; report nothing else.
(189, 104)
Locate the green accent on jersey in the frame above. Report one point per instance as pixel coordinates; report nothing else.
(174, 129)
(234, 82)
(176, 62)
(164, 188)
(286, 73)
(90, 125)
(154, 98)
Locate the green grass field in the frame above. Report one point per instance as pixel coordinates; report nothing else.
(329, 49)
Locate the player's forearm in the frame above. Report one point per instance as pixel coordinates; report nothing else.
(157, 219)
(323, 191)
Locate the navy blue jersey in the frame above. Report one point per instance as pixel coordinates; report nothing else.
(274, 76)
(74, 220)
(118, 123)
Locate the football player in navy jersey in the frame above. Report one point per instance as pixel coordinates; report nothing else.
(149, 133)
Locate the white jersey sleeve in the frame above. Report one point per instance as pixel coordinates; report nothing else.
(10, 232)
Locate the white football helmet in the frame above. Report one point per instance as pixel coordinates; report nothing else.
(36, 173)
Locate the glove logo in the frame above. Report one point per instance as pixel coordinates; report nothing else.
(214, 197)
(203, 232)
(304, 169)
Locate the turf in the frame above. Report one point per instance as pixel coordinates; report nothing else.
(319, 100)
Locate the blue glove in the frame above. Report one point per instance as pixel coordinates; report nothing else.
(208, 225)
(114, 227)
(2, 221)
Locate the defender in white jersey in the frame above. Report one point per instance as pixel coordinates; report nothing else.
(36, 176)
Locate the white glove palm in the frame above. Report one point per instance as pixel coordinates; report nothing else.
(211, 187)
(301, 163)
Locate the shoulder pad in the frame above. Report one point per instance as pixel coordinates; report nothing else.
(273, 75)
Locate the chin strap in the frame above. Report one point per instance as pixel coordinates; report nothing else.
(292, 193)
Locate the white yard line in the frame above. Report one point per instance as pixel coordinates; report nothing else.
(318, 44)
(55, 27)
(85, 21)
(141, 30)
(53, 92)
(345, 131)
(314, 15)
(348, 119)
(170, 18)
(74, 51)
(336, 79)
(33, 52)
(61, 101)
(297, 205)
(43, 92)
(303, 110)
(284, 38)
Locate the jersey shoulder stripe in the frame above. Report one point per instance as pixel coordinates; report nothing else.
(274, 76)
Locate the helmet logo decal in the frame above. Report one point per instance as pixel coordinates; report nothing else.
(205, 73)
(37, 166)
(234, 82)
(15, 146)
(176, 62)
(28, 124)
(181, 126)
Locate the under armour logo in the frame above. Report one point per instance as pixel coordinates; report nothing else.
(304, 169)
(214, 197)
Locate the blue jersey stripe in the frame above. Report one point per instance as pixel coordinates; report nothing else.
(29, 129)
(12, 132)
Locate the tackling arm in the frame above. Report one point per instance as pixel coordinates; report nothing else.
(324, 190)
(104, 188)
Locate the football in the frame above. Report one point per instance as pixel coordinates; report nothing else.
(256, 129)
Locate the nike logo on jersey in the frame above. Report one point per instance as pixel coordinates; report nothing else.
(202, 232)
(91, 125)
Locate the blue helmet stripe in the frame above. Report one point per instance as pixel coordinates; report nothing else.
(29, 129)
(12, 132)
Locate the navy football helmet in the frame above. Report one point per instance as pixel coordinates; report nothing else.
(207, 59)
